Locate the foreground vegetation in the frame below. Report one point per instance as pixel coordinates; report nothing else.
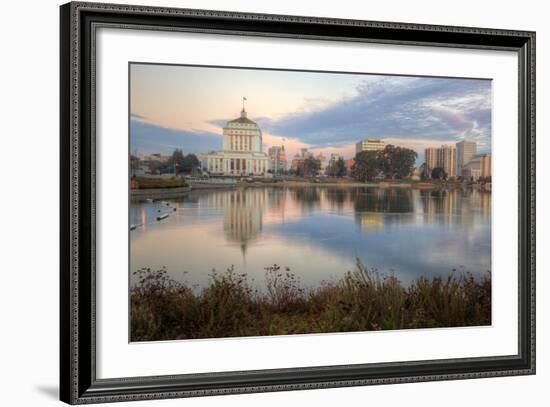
(163, 309)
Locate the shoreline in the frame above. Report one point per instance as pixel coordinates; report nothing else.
(382, 184)
(165, 193)
(158, 193)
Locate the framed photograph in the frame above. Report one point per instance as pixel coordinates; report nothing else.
(254, 203)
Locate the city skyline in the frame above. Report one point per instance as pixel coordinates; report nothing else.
(186, 107)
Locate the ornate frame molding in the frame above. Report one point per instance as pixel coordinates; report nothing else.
(77, 175)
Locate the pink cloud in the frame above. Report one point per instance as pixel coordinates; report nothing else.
(454, 119)
(292, 145)
(347, 151)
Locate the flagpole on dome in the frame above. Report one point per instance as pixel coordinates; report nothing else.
(243, 112)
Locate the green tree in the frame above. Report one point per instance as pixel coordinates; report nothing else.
(397, 162)
(337, 168)
(177, 157)
(189, 163)
(439, 173)
(367, 165)
(309, 167)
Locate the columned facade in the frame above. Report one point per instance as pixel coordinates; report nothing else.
(242, 153)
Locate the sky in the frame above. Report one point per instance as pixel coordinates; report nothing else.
(186, 107)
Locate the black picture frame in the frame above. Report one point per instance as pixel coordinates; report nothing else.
(78, 382)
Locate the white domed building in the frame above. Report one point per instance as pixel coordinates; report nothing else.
(242, 153)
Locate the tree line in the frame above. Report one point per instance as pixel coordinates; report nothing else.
(311, 166)
(392, 162)
(178, 163)
(184, 163)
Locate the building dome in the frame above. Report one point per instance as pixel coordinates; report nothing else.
(242, 134)
(243, 120)
(242, 150)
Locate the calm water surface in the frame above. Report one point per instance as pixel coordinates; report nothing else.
(318, 232)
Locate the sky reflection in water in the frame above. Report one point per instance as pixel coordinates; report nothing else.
(317, 232)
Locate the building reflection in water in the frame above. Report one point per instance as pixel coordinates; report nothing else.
(373, 205)
(307, 198)
(246, 210)
(441, 204)
(243, 211)
(138, 216)
(336, 199)
(316, 231)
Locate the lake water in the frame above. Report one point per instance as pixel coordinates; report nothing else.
(317, 232)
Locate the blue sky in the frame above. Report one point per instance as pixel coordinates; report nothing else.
(186, 107)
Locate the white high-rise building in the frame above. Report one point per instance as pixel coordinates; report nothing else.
(242, 152)
(447, 159)
(465, 150)
(430, 157)
(479, 166)
(442, 157)
(277, 157)
(369, 145)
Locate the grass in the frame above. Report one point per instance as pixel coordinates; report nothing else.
(163, 309)
(154, 183)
